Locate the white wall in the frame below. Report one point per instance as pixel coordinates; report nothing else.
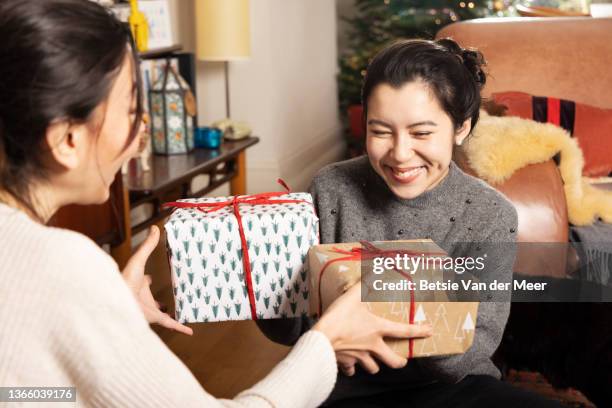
(287, 90)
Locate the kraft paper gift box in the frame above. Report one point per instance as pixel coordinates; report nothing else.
(214, 279)
(333, 268)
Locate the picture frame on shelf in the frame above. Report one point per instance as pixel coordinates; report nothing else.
(157, 13)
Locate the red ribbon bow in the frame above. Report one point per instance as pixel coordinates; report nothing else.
(370, 251)
(254, 199)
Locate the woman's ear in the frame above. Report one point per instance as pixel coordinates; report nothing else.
(64, 140)
(463, 132)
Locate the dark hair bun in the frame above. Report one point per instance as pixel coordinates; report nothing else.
(472, 59)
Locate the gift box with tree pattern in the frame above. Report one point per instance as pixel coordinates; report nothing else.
(238, 258)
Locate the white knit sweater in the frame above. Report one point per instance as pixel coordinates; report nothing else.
(68, 319)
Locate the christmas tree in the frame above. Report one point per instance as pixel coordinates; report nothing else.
(378, 22)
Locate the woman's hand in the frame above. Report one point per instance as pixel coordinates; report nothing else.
(348, 359)
(357, 335)
(139, 283)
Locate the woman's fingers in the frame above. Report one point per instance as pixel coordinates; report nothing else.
(348, 370)
(346, 363)
(386, 355)
(347, 360)
(352, 328)
(169, 323)
(403, 330)
(367, 362)
(140, 257)
(140, 285)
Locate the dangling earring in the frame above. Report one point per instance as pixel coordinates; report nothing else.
(144, 135)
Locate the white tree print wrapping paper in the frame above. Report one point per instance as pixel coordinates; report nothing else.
(205, 257)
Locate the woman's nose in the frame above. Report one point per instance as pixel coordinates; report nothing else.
(403, 148)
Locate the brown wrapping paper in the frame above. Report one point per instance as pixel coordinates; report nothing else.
(453, 322)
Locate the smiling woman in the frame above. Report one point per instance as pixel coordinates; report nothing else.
(420, 98)
(437, 85)
(412, 156)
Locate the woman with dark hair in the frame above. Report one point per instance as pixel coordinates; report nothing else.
(70, 116)
(420, 99)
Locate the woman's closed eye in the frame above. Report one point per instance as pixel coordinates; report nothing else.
(421, 134)
(381, 132)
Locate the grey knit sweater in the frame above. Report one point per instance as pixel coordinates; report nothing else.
(354, 203)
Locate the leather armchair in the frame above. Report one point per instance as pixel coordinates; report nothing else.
(568, 58)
